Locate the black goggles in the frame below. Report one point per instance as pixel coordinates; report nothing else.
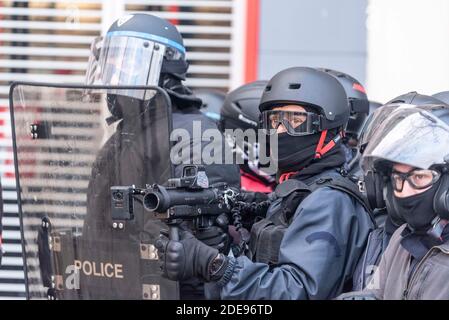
(418, 179)
(294, 123)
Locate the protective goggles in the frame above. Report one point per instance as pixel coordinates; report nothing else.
(294, 123)
(418, 179)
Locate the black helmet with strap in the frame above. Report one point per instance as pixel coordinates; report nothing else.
(241, 111)
(414, 136)
(357, 100)
(311, 88)
(241, 106)
(319, 93)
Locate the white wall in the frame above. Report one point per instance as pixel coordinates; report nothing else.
(408, 47)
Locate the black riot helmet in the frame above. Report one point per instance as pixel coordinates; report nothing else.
(357, 100)
(241, 111)
(241, 107)
(379, 113)
(443, 96)
(415, 136)
(310, 88)
(373, 107)
(415, 98)
(137, 50)
(212, 102)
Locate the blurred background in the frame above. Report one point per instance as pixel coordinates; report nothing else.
(390, 46)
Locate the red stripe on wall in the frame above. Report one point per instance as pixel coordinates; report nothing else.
(173, 9)
(252, 40)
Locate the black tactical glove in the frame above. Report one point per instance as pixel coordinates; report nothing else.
(188, 258)
(253, 206)
(217, 235)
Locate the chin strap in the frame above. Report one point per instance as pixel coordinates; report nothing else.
(286, 176)
(322, 149)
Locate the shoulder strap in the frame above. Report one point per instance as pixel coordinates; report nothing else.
(344, 184)
(291, 192)
(286, 188)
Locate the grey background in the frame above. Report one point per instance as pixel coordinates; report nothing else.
(315, 33)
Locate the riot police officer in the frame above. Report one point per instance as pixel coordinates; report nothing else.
(387, 218)
(144, 50)
(314, 232)
(409, 153)
(240, 110)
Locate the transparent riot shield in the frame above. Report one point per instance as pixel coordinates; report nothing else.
(72, 144)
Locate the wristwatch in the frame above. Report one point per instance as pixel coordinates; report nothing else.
(217, 267)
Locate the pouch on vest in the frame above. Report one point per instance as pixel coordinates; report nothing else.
(267, 234)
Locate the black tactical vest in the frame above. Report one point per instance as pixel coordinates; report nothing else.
(267, 233)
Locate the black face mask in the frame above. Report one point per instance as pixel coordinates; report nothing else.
(418, 210)
(295, 153)
(126, 108)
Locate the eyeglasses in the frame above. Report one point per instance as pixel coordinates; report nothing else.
(418, 179)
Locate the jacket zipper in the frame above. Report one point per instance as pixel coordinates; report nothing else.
(413, 276)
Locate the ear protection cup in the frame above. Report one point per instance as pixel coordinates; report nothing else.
(441, 200)
(374, 185)
(392, 211)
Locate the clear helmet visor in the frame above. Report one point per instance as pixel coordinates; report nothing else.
(123, 60)
(375, 120)
(412, 137)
